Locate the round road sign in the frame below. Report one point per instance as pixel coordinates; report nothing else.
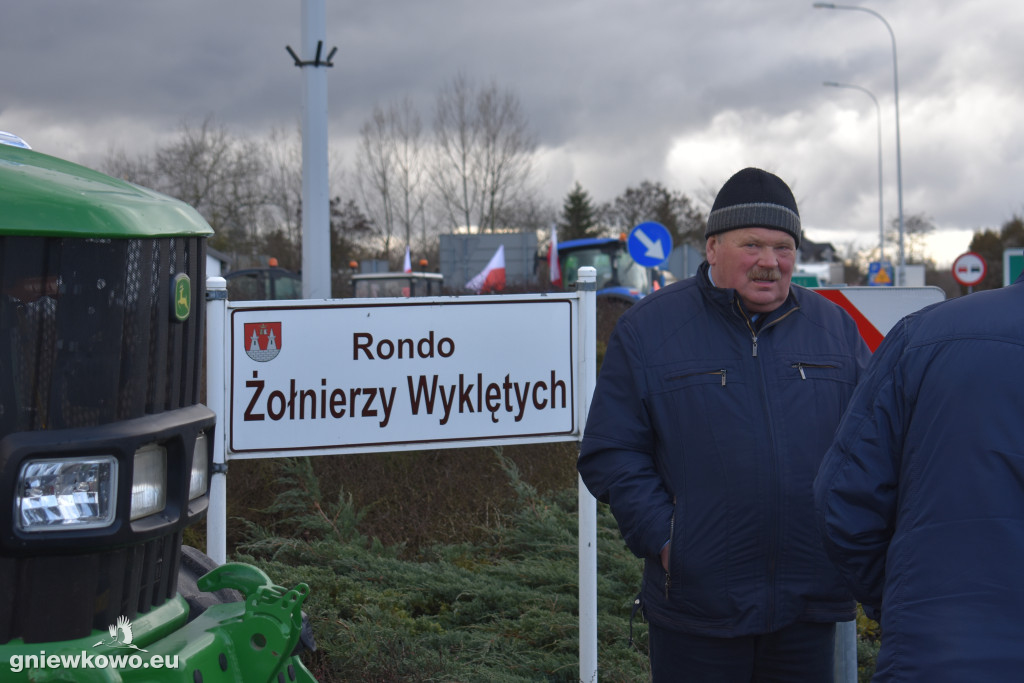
(649, 244)
(969, 269)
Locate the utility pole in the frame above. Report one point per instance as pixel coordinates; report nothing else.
(316, 229)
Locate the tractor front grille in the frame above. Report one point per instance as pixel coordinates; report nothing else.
(87, 335)
(63, 597)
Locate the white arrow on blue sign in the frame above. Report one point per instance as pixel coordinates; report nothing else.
(649, 244)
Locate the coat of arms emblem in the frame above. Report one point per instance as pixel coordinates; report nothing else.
(262, 341)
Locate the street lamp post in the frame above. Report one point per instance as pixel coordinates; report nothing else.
(878, 111)
(901, 275)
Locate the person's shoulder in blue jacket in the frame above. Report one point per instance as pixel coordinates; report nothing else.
(921, 497)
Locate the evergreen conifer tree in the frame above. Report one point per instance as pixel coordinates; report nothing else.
(579, 217)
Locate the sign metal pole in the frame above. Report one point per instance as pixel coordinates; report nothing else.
(216, 377)
(586, 285)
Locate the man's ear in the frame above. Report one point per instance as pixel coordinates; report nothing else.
(711, 249)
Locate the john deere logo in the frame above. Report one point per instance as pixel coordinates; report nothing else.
(182, 292)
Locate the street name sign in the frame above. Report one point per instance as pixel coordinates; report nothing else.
(333, 376)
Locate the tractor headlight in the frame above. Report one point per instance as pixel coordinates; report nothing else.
(199, 480)
(66, 493)
(149, 481)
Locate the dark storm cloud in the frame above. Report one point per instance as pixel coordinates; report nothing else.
(616, 92)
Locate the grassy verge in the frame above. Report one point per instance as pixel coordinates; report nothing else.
(502, 608)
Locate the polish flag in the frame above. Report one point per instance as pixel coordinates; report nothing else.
(553, 267)
(491, 278)
(407, 267)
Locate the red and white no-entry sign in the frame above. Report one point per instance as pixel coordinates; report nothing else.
(877, 309)
(969, 269)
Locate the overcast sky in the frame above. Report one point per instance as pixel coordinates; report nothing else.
(684, 92)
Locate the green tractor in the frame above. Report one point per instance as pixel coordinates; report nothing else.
(106, 447)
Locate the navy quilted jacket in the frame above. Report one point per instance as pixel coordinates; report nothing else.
(710, 433)
(922, 495)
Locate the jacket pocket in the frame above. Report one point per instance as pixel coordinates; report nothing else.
(700, 564)
(697, 377)
(818, 368)
(704, 460)
(811, 384)
(696, 374)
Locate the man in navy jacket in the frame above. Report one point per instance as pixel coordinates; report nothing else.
(922, 495)
(716, 400)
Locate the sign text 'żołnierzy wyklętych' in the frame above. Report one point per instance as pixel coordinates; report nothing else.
(504, 398)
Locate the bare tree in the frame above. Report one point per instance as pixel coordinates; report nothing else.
(283, 182)
(206, 167)
(248, 190)
(375, 171)
(455, 143)
(654, 202)
(390, 170)
(139, 170)
(483, 154)
(506, 153)
(411, 169)
(217, 174)
(916, 229)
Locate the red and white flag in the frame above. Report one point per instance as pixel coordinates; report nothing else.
(491, 278)
(407, 267)
(553, 268)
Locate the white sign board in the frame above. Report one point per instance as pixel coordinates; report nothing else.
(343, 376)
(877, 309)
(361, 375)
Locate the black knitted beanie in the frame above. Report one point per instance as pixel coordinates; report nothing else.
(754, 199)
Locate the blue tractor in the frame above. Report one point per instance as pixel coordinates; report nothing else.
(621, 281)
(618, 275)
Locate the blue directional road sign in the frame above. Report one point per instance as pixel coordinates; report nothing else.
(649, 244)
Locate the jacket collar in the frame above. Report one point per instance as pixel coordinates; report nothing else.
(728, 301)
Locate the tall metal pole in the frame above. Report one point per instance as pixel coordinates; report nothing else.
(586, 283)
(316, 233)
(216, 399)
(878, 112)
(901, 275)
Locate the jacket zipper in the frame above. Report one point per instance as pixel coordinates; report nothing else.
(750, 326)
(773, 540)
(773, 522)
(698, 374)
(801, 366)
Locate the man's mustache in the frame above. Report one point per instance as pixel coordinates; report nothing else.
(771, 274)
